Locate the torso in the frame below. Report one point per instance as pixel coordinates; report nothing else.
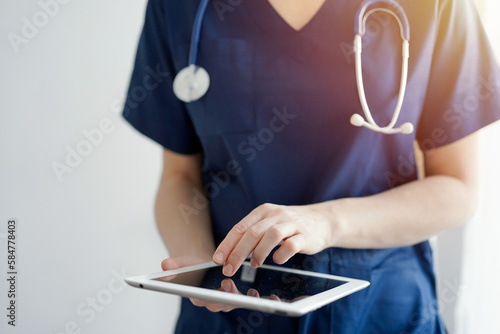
(263, 70)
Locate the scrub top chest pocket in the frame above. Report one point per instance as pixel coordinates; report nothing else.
(228, 106)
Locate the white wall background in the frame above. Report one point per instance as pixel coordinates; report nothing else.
(478, 296)
(77, 235)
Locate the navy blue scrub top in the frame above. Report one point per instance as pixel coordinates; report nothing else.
(274, 127)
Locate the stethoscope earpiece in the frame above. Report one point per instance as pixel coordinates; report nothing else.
(357, 120)
(405, 128)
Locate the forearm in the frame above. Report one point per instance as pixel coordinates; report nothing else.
(185, 229)
(401, 216)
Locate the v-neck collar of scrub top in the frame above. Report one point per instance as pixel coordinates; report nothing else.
(300, 44)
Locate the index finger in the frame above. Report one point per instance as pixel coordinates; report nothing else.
(234, 236)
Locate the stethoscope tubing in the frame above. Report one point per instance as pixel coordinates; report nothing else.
(361, 90)
(195, 35)
(393, 8)
(402, 20)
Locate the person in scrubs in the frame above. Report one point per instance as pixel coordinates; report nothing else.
(268, 162)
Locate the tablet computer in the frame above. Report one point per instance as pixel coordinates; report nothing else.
(269, 288)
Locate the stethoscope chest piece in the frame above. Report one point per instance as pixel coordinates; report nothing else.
(191, 83)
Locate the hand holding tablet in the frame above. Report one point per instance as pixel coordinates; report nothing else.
(227, 285)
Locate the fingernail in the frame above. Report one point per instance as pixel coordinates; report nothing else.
(219, 257)
(252, 293)
(226, 286)
(227, 270)
(254, 263)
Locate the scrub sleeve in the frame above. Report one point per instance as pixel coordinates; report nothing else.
(453, 90)
(463, 93)
(151, 106)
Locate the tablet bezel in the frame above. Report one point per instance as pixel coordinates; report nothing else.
(294, 308)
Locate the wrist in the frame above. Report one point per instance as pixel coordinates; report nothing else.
(337, 222)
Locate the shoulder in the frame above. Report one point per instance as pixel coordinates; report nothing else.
(174, 17)
(175, 7)
(170, 9)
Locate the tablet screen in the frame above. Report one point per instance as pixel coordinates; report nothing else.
(268, 283)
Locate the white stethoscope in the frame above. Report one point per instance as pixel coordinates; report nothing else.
(192, 82)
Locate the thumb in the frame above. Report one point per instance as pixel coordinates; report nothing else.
(183, 261)
(169, 264)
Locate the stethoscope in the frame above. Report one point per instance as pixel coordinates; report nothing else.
(192, 82)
